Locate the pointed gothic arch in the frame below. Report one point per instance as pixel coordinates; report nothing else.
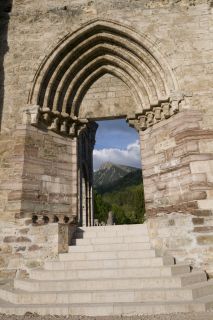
(80, 60)
(99, 47)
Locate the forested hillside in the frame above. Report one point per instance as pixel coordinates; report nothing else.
(124, 197)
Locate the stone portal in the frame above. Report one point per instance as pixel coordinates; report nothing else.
(106, 70)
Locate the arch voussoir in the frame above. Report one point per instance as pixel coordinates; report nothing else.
(111, 60)
(110, 69)
(105, 46)
(146, 78)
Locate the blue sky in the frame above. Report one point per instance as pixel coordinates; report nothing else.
(116, 142)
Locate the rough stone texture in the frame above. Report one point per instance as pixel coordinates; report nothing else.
(175, 316)
(19, 254)
(187, 50)
(176, 234)
(176, 171)
(162, 52)
(106, 97)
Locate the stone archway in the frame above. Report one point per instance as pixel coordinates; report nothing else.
(175, 143)
(98, 48)
(66, 78)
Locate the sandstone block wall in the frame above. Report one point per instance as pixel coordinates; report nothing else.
(181, 30)
(38, 171)
(176, 167)
(37, 187)
(187, 237)
(106, 97)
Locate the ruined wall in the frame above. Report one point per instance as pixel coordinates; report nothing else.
(37, 185)
(187, 237)
(177, 164)
(181, 30)
(48, 176)
(177, 173)
(33, 165)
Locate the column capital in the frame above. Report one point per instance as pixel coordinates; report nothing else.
(164, 110)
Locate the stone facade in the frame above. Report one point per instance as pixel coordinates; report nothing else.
(64, 66)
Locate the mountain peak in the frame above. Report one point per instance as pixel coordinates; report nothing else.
(110, 172)
(107, 165)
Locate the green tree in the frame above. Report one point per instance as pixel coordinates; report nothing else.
(127, 204)
(101, 208)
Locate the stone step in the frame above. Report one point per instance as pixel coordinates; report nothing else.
(110, 247)
(112, 231)
(188, 293)
(117, 272)
(97, 284)
(208, 301)
(200, 290)
(152, 265)
(114, 273)
(111, 234)
(109, 309)
(112, 270)
(112, 239)
(105, 296)
(109, 273)
(65, 283)
(148, 253)
(116, 227)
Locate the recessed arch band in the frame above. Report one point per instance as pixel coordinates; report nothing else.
(100, 47)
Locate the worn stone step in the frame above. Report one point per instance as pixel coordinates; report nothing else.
(97, 284)
(148, 253)
(109, 240)
(155, 266)
(208, 301)
(200, 290)
(185, 279)
(116, 227)
(110, 247)
(112, 231)
(110, 273)
(197, 291)
(100, 296)
(107, 309)
(162, 281)
(111, 234)
(144, 261)
(115, 272)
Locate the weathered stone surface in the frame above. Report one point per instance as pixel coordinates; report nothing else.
(203, 229)
(206, 239)
(23, 239)
(34, 247)
(197, 221)
(10, 239)
(176, 234)
(21, 248)
(138, 65)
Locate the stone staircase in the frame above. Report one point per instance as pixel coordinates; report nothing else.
(109, 270)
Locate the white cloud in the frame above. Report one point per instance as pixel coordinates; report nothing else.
(129, 156)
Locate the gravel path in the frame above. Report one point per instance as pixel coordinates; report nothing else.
(179, 316)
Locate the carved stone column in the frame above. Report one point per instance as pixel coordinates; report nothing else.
(86, 141)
